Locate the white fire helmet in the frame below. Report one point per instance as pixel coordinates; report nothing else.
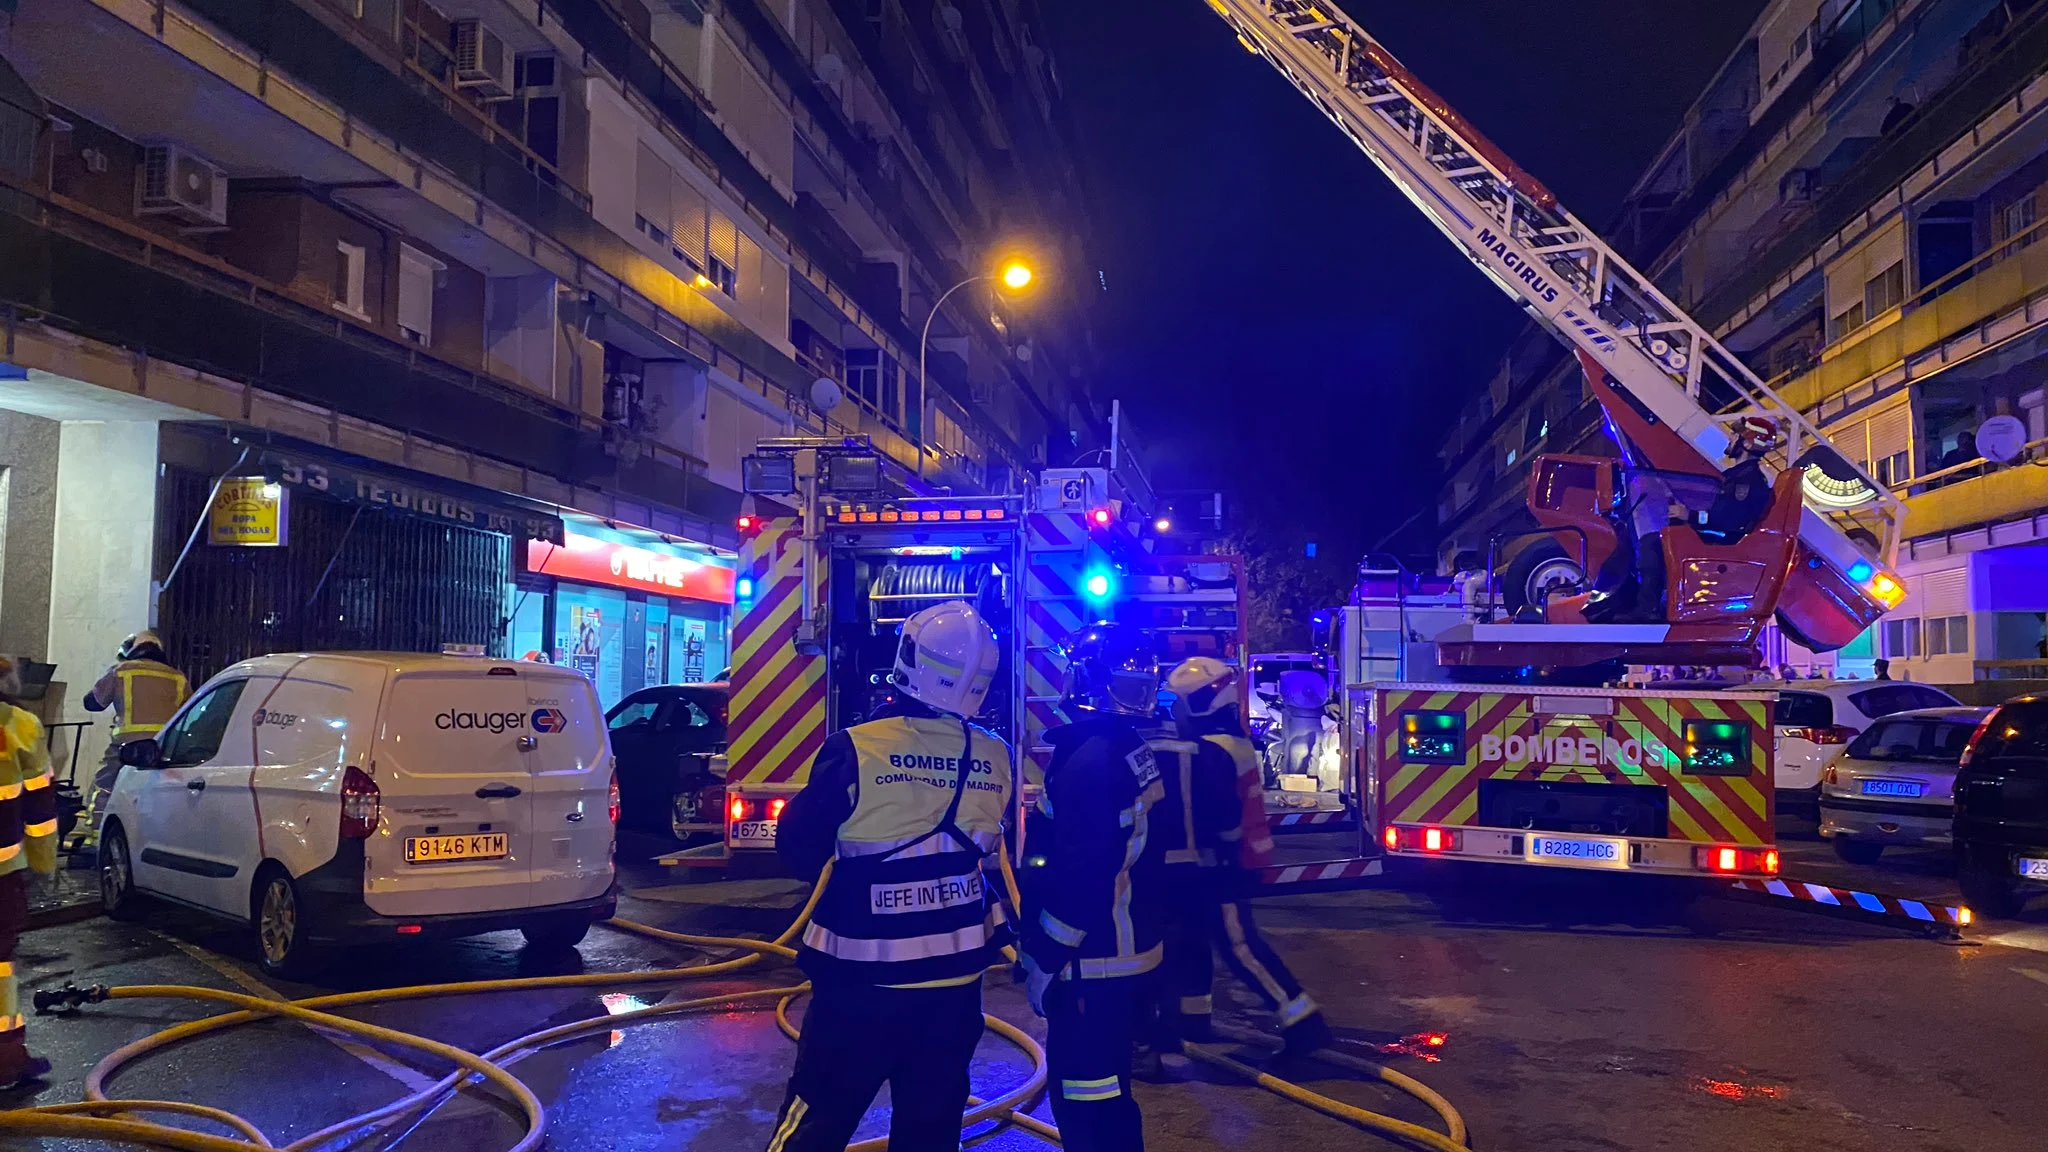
(1202, 686)
(947, 658)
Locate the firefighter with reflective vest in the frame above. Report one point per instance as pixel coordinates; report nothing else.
(28, 839)
(144, 691)
(907, 807)
(1093, 911)
(1205, 711)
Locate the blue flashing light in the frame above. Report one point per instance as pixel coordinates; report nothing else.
(1861, 571)
(955, 554)
(1099, 584)
(743, 588)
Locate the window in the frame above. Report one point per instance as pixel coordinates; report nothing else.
(1848, 321)
(890, 400)
(2015, 218)
(1885, 291)
(417, 273)
(864, 374)
(195, 736)
(723, 265)
(348, 279)
(636, 712)
(652, 181)
(1901, 638)
(687, 714)
(723, 277)
(1948, 635)
(1894, 470)
(1803, 710)
(1886, 699)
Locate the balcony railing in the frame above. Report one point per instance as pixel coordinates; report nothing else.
(2010, 273)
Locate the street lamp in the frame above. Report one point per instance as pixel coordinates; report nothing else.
(1014, 275)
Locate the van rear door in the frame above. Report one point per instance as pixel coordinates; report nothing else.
(571, 769)
(451, 765)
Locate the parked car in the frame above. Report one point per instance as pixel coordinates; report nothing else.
(663, 739)
(2001, 821)
(340, 798)
(1816, 719)
(1895, 784)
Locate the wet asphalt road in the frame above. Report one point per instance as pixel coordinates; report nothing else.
(1725, 1026)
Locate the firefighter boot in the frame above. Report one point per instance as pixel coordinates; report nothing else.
(17, 1067)
(1306, 1036)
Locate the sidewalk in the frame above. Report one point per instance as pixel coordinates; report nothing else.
(64, 897)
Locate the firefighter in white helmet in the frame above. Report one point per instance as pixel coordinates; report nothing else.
(143, 690)
(908, 806)
(1205, 709)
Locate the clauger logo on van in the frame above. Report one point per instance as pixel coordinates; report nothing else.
(452, 720)
(549, 720)
(272, 718)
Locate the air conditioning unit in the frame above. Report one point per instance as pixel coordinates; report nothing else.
(482, 63)
(175, 182)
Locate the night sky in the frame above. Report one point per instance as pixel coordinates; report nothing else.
(1280, 321)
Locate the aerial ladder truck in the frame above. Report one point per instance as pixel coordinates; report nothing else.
(1726, 508)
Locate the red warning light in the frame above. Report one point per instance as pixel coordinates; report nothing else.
(1100, 517)
(749, 526)
(738, 808)
(775, 807)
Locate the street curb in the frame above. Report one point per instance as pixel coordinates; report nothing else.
(64, 914)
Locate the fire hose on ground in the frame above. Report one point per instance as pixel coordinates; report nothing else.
(100, 1118)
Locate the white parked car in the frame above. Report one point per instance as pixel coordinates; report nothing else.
(1815, 720)
(338, 798)
(1896, 783)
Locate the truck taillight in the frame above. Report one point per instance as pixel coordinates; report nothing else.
(362, 806)
(737, 808)
(1421, 839)
(775, 808)
(611, 799)
(1762, 861)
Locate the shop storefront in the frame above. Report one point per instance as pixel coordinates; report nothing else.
(627, 609)
(311, 550)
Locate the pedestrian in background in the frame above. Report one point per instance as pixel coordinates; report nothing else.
(28, 840)
(144, 692)
(1092, 902)
(907, 806)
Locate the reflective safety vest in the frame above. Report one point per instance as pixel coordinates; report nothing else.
(144, 694)
(28, 799)
(906, 903)
(1181, 839)
(1255, 850)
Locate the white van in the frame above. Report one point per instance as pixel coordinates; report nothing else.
(337, 798)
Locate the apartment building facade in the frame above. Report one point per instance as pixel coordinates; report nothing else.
(1853, 206)
(398, 324)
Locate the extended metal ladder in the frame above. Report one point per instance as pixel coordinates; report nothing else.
(1561, 273)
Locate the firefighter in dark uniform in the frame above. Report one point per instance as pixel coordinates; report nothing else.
(1092, 915)
(1205, 711)
(907, 806)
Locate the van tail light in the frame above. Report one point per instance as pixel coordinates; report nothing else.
(1759, 861)
(1829, 734)
(362, 806)
(1970, 747)
(611, 799)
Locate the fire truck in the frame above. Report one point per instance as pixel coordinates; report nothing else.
(834, 558)
(1470, 735)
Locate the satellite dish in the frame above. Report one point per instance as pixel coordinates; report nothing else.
(1023, 352)
(831, 69)
(825, 394)
(2002, 438)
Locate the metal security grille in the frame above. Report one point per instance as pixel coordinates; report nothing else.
(353, 577)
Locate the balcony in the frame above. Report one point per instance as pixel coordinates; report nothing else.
(1978, 492)
(1994, 290)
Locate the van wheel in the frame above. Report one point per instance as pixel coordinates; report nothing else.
(281, 926)
(555, 935)
(1986, 887)
(1857, 851)
(117, 877)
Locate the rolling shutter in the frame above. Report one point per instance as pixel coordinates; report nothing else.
(690, 223)
(651, 180)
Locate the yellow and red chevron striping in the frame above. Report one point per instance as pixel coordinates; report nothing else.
(1047, 531)
(1640, 744)
(778, 694)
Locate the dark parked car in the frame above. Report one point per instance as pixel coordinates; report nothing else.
(2001, 825)
(663, 739)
